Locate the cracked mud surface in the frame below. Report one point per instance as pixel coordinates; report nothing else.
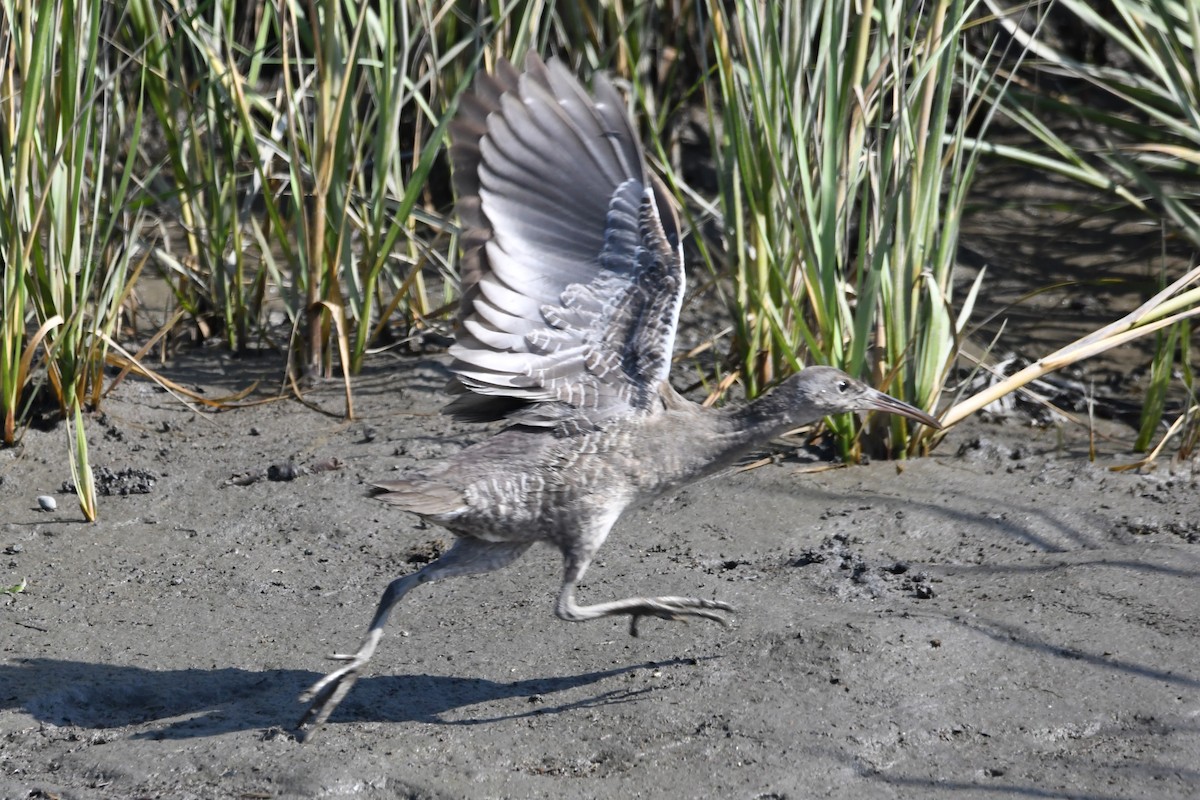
(1002, 619)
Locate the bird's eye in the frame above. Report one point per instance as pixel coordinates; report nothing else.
(842, 386)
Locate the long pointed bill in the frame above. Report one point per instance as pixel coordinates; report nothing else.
(878, 401)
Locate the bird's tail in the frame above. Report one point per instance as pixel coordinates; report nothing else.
(427, 498)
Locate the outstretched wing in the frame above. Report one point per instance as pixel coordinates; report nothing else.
(571, 281)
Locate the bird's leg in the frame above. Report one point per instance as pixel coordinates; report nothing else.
(466, 557)
(672, 608)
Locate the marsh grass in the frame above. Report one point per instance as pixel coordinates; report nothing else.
(1145, 151)
(69, 230)
(843, 175)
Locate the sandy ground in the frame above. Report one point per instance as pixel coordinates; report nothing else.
(1002, 619)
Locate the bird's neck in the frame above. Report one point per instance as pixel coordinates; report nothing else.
(702, 442)
(741, 430)
(764, 418)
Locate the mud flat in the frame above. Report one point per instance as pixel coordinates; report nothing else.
(1001, 619)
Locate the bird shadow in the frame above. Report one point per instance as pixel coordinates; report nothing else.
(192, 703)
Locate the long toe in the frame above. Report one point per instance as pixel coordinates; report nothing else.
(694, 607)
(325, 695)
(678, 609)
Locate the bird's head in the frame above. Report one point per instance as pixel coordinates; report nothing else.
(821, 391)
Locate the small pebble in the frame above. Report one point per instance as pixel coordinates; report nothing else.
(47, 502)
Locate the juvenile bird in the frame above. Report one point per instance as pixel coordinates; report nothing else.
(572, 284)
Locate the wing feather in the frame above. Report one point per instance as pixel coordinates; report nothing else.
(572, 272)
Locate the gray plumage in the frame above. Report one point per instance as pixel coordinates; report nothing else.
(572, 284)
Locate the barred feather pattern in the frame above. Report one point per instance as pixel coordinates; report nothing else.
(572, 272)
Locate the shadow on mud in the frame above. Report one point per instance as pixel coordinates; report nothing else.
(206, 702)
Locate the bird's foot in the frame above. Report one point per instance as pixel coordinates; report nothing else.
(677, 609)
(327, 693)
